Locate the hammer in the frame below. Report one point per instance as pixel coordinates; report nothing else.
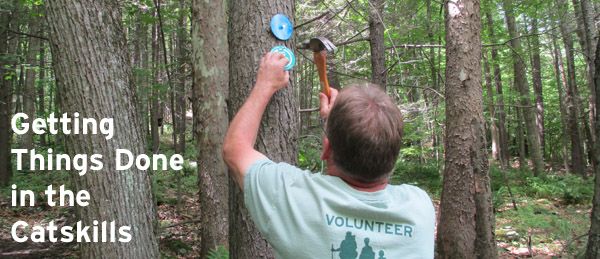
(320, 46)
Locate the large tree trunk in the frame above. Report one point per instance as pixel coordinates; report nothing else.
(577, 159)
(593, 245)
(249, 40)
(501, 115)
(6, 94)
(535, 151)
(29, 92)
(377, 41)
(537, 84)
(466, 227)
(210, 57)
(95, 79)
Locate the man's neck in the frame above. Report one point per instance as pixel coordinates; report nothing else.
(355, 184)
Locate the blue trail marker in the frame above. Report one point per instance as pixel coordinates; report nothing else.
(281, 27)
(288, 54)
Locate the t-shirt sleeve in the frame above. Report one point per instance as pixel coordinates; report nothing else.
(264, 188)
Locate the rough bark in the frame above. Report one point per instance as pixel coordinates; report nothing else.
(249, 40)
(466, 222)
(535, 151)
(593, 245)
(210, 57)
(537, 84)
(501, 114)
(377, 43)
(6, 94)
(94, 78)
(571, 100)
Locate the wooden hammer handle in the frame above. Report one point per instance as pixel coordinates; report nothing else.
(321, 61)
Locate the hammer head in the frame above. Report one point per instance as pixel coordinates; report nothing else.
(319, 43)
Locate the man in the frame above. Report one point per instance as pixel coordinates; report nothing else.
(303, 215)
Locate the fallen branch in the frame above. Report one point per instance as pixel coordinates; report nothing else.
(196, 221)
(571, 242)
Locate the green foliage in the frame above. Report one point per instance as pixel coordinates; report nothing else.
(220, 253)
(425, 176)
(309, 153)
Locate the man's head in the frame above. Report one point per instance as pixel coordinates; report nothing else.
(364, 130)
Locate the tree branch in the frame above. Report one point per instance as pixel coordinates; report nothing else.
(25, 34)
(312, 20)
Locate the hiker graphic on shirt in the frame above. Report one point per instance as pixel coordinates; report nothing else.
(348, 247)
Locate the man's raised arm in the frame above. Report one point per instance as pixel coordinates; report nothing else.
(238, 147)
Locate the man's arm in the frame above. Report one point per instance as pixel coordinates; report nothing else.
(238, 147)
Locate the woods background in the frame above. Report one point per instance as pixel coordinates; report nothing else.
(499, 101)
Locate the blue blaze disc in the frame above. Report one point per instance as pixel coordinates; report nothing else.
(281, 27)
(288, 54)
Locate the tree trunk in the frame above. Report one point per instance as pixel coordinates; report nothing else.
(577, 159)
(29, 92)
(155, 114)
(491, 109)
(501, 114)
(180, 100)
(41, 95)
(560, 83)
(466, 227)
(593, 245)
(377, 42)
(249, 40)
(6, 95)
(521, 138)
(210, 57)
(93, 65)
(522, 85)
(537, 84)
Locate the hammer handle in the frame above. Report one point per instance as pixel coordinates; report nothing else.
(321, 61)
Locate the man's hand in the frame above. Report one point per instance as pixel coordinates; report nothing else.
(271, 73)
(326, 102)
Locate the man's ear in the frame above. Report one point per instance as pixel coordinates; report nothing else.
(326, 149)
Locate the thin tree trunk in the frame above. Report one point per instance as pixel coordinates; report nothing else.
(29, 92)
(211, 81)
(377, 41)
(537, 84)
(93, 65)
(155, 114)
(466, 227)
(182, 57)
(522, 85)
(277, 138)
(41, 96)
(577, 159)
(501, 114)
(521, 138)
(491, 108)
(560, 83)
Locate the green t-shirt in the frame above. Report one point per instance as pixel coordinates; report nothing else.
(305, 215)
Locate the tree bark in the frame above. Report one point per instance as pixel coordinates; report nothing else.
(180, 100)
(249, 40)
(577, 159)
(521, 138)
(560, 83)
(155, 114)
(501, 114)
(377, 43)
(6, 95)
(593, 245)
(41, 95)
(29, 92)
(466, 227)
(95, 79)
(495, 138)
(210, 59)
(537, 84)
(522, 85)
